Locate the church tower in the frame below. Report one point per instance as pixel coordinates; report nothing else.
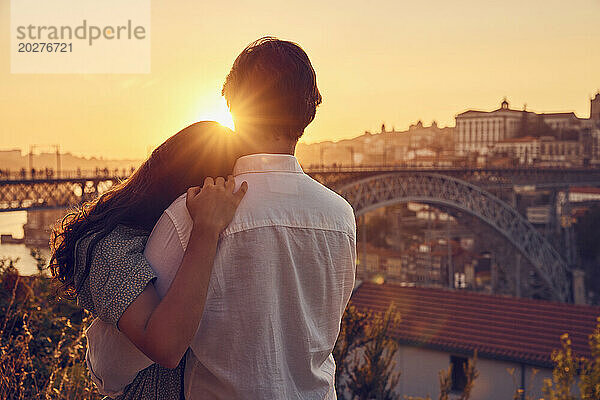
(595, 108)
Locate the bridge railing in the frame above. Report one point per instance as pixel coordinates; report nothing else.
(412, 167)
(48, 174)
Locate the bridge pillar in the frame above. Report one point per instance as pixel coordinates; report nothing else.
(363, 234)
(449, 255)
(518, 274)
(513, 199)
(579, 296)
(494, 273)
(568, 231)
(555, 225)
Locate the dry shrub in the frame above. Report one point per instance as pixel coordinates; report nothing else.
(41, 340)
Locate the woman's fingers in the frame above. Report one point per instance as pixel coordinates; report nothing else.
(208, 182)
(220, 181)
(230, 183)
(193, 191)
(239, 195)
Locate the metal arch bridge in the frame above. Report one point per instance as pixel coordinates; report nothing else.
(378, 191)
(367, 188)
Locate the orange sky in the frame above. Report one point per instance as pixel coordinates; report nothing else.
(378, 61)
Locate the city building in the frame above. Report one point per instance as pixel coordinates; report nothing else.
(379, 263)
(595, 108)
(539, 215)
(584, 195)
(594, 127)
(524, 150)
(595, 146)
(418, 145)
(560, 153)
(561, 121)
(544, 151)
(428, 263)
(442, 328)
(10, 157)
(425, 264)
(479, 138)
(442, 263)
(479, 131)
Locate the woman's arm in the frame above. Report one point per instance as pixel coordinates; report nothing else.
(165, 248)
(163, 328)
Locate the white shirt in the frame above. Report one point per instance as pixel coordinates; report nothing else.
(282, 277)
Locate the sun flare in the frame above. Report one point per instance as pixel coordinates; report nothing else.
(219, 113)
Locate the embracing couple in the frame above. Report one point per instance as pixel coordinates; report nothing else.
(219, 269)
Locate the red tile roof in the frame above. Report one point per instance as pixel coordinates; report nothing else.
(584, 190)
(499, 327)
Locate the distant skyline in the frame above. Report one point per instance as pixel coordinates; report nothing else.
(379, 62)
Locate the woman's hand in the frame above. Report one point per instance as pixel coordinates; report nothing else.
(212, 207)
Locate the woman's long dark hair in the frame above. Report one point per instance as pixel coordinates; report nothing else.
(184, 160)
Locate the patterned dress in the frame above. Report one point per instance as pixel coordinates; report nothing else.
(119, 272)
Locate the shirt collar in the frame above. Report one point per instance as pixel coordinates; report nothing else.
(266, 163)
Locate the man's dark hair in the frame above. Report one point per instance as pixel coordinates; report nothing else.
(273, 86)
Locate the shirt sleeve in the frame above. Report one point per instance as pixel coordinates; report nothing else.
(164, 251)
(119, 272)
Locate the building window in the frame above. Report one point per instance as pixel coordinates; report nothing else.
(459, 376)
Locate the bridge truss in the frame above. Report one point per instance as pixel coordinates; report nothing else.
(19, 195)
(488, 178)
(377, 191)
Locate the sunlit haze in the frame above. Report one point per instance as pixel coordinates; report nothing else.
(388, 61)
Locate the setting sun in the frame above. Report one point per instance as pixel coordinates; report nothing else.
(219, 113)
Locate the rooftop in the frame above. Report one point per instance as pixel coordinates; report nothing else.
(381, 251)
(559, 115)
(498, 327)
(501, 111)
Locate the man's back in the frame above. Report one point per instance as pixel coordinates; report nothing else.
(283, 274)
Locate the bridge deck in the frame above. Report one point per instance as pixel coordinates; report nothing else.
(17, 192)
